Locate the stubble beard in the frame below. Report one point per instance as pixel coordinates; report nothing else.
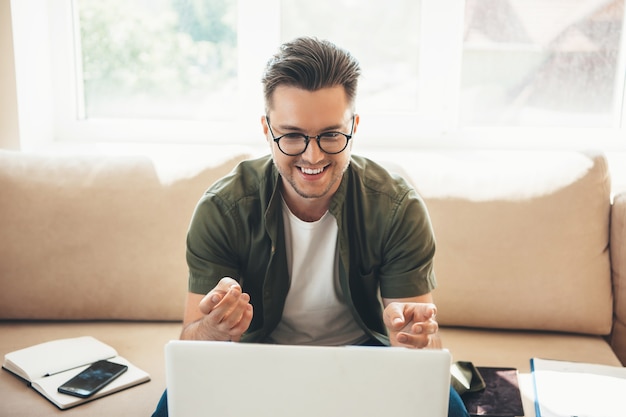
(292, 181)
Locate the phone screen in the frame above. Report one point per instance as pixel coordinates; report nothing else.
(92, 379)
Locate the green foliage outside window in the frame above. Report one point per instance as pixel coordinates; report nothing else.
(157, 54)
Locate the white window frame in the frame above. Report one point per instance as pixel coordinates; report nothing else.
(48, 92)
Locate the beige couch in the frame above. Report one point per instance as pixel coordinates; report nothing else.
(531, 257)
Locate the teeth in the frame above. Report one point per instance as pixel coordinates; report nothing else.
(312, 171)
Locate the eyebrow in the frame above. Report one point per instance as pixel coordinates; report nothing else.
(335, 127)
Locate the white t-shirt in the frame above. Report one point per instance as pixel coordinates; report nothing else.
(314, 312)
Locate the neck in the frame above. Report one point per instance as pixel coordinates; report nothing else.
(307, 209)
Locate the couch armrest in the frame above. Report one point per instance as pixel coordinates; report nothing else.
(618, 270)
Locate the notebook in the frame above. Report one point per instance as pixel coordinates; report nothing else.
(225, 379)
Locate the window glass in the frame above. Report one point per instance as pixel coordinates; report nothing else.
(542, 63)
(384, 36)
(172, 59)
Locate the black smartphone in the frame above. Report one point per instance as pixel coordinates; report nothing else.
(92, 379)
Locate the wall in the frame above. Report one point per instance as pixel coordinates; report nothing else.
(9, 128)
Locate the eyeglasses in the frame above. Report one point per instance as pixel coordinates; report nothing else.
(294, 144)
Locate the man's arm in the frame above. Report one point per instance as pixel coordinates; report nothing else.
(411, 321)
(223, 314)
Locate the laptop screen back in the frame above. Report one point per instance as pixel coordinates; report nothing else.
(222, 379)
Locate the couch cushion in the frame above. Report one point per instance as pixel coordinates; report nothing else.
(98, 237)
(515, 348)
(522, 237)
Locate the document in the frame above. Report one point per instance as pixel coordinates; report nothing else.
(576, 389)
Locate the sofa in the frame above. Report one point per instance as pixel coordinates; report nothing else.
(530, 262)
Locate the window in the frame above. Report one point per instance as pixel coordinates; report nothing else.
(166, 59)
(164, 70)
(389, 54)
(435, 72)
(177, 59)
(542, 63)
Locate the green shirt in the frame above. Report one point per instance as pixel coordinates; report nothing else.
(385, 242)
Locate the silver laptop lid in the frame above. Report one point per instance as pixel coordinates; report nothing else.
(223, 379)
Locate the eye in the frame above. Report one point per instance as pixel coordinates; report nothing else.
(330, 135)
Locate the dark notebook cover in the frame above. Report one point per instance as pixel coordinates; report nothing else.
(500, 398)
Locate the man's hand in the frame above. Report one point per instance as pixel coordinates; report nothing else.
(225, 313)
(412, 324)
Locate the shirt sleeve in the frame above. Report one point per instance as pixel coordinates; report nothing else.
(407, 267)
(211, 244)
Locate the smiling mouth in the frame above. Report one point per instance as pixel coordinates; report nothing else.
(312, 171)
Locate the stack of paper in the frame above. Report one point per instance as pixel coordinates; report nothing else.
(567, 389)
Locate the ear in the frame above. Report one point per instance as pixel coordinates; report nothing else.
(357, 118)
(265, 127)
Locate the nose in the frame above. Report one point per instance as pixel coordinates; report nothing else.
(313, 153)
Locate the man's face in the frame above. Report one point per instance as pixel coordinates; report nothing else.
(313, 174)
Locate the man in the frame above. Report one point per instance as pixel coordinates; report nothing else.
(301, 247)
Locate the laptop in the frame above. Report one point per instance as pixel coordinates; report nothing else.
(225, 379)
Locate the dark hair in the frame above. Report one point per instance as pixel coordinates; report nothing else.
(311, 64)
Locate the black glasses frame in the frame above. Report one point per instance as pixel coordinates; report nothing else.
(307, 139)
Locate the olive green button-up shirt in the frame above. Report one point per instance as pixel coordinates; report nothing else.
(385, 242)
